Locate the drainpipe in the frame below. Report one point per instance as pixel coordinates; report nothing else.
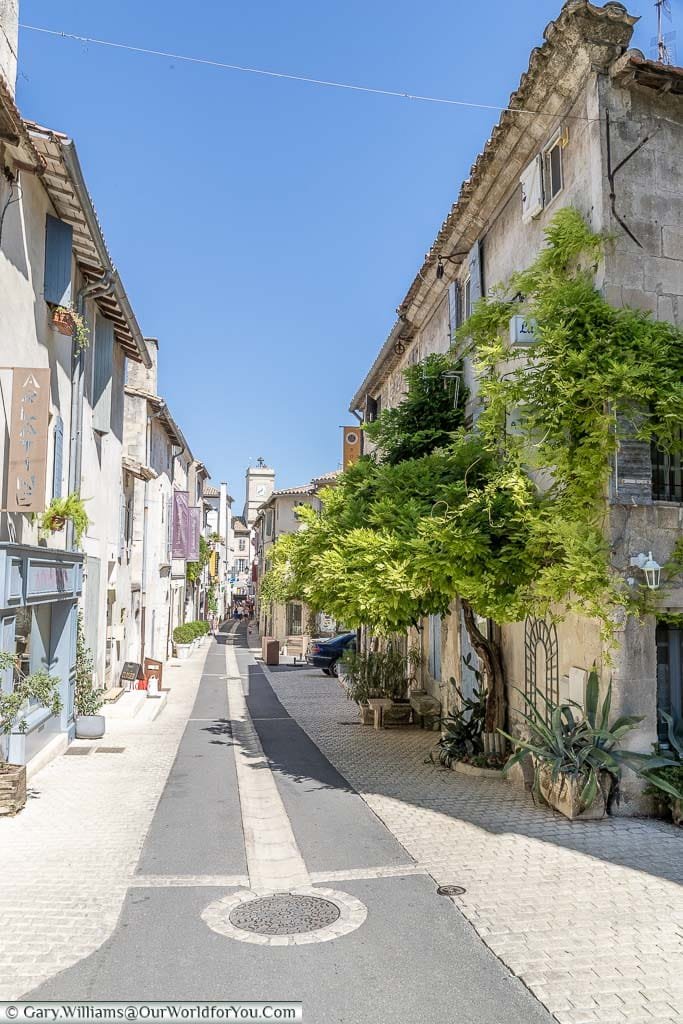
(103, 286)
(143, 610)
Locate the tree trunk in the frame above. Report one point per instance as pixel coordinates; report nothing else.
(489, 654)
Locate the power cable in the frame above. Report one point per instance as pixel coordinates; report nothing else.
(296, 78)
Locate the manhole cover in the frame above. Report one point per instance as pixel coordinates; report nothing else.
(284, 914)
(450, 890)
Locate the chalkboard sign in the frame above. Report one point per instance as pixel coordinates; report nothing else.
(131, 672)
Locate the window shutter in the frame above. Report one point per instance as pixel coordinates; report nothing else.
(58, 249)
(122, 525)
(453, 307)
(169, 528)
(58, 460)
(474, 262)
(632, 477)
(532, 190)
(103, 358)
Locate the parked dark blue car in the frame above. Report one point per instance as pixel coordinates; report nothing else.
(325, 654)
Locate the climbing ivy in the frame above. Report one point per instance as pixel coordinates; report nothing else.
(509, 514)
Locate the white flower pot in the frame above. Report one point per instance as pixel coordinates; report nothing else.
(182, 651)
(90, 727)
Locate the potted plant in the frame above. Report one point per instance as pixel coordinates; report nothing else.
(69, 322)
(575, 755)
(462, 730)
(182, 640)
(90, 725)
(59, 510)
(666, 782)
(37, 686)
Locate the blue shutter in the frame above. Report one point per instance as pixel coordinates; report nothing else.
(58, 248)
(58, 460)
(476, 277)
(103, 359)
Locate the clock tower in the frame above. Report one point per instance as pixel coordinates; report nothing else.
(260, 485)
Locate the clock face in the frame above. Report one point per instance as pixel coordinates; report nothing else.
(260, 491)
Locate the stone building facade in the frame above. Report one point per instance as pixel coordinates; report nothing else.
(599, 127)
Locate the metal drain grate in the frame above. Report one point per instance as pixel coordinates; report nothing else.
(109, 750)
(284, 914)
(450, 890)
(78, 751)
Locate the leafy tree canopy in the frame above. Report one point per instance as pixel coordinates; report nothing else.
(508, 514)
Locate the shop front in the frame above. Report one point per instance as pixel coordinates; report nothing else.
(39, 591)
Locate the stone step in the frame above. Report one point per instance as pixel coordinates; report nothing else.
(127, 706)
(152, 708)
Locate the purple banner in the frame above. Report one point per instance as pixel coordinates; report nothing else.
(181, 524)
(193, 534)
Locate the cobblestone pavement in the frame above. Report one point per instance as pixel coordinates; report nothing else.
(68, 858)
(589, 915)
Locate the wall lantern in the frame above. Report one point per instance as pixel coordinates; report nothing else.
(651, 568)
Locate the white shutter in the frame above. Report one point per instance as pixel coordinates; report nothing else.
(532, 190)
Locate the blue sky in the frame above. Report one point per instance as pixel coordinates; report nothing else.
(266, 230)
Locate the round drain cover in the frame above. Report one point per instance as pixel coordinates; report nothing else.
(284, 914)
(450, 890)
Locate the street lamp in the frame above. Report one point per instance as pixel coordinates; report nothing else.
(651, 568)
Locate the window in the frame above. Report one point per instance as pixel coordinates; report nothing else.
(243, 544)
(669, 674)
(467, 303)
(269, 523)
(294, 620)
(667, 474)
(240, 565)
(543, 179)
(553, 177)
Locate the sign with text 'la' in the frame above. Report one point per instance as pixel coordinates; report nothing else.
(28, 440)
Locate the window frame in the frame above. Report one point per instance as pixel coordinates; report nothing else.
(556, 143)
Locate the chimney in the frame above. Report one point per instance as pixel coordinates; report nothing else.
(9, 42)
(138, 374)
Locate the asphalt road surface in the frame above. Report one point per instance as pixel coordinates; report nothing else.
(414, 957)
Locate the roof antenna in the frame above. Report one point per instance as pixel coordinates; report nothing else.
(663, 44)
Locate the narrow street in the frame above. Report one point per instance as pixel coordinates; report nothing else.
(407, 952)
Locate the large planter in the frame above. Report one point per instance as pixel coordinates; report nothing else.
(563, 794)
(12, 787)
(379, 706)
(367, 715)
(90, 727)
(182, 651)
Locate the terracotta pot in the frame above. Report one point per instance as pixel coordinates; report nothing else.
(563, 794)
(57, 523)
(62, 321)
(12, 787)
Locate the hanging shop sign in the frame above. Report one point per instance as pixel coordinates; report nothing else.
(181, 523)
(28, 440)
(194, 525)
(352, 445)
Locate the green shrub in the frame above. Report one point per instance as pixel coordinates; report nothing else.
(183, 634)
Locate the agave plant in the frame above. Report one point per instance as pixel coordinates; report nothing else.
(666, 777)
(578, 743)
(463, 728)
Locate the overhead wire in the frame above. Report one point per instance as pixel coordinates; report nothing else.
(327, 83)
